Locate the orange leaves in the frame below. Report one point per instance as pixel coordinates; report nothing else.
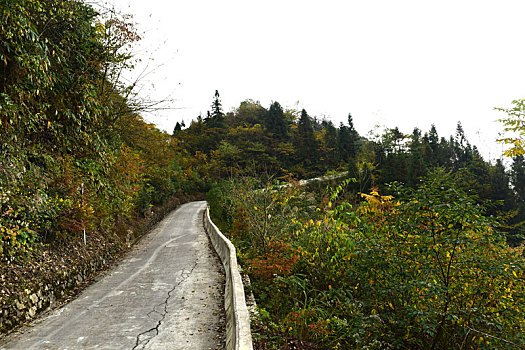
(240, 222)
(307, 324)
(279, 259)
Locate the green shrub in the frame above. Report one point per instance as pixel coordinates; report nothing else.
(426, 269)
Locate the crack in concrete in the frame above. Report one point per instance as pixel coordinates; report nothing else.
(148, 334)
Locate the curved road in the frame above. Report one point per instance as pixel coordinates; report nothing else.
(166, 294)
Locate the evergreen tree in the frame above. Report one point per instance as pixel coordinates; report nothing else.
(499, 184)
(329, 144)
(178, 127)
(517, 178)
(215, 118)
(460, 134)
(431, 142)
(463, 152)
(433, 138)
(416, 164)
(275, 121)
(216, 107)
(304, 126)
(306, 148)
(208, 120)
(345, 147)
(397, 138)
(354, 136)
(445, 155)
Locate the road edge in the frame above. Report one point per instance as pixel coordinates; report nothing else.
(238, 333)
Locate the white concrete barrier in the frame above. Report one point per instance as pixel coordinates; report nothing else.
(238, 334)
(309, 181)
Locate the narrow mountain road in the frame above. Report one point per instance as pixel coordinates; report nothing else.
(166, 294)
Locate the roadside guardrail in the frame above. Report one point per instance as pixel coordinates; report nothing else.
(238, 333)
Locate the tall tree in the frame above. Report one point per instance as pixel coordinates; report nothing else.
(433, 138)
(431, 142)
(416, 163)
(306, 148)
(329, 147)
(275, 121)
(354, 136)
(215, 118)
(177, 128)
(460, 134)
(216, 106)
(345, 146)
(517, 178)
(499, 184)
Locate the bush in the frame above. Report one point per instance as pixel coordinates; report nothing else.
(426, 269)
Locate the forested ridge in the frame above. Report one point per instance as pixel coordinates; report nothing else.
(420, 247)
(254, 140)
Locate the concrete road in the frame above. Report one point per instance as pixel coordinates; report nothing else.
(166, 294)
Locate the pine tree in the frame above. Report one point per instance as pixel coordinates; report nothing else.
(416, 163)
(306, 147)
(460, 134)
(345, 146)
(433, 138)
(208, 120)
(178, 127)
(275, 121)
(499, 183)
(354, 136)
(215, 117)
(517, 178)
(431, 146)
(216, 107)
(329, 144)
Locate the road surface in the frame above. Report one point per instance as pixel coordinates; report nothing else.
(166, 294)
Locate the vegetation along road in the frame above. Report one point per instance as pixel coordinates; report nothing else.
(167, 293)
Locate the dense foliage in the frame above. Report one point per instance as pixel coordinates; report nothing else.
(74, 153)
(514, 126)
(419, 248)
(255, 140)
(434, 262)
(423, 269)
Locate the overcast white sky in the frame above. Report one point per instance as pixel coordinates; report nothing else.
(395, 63)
